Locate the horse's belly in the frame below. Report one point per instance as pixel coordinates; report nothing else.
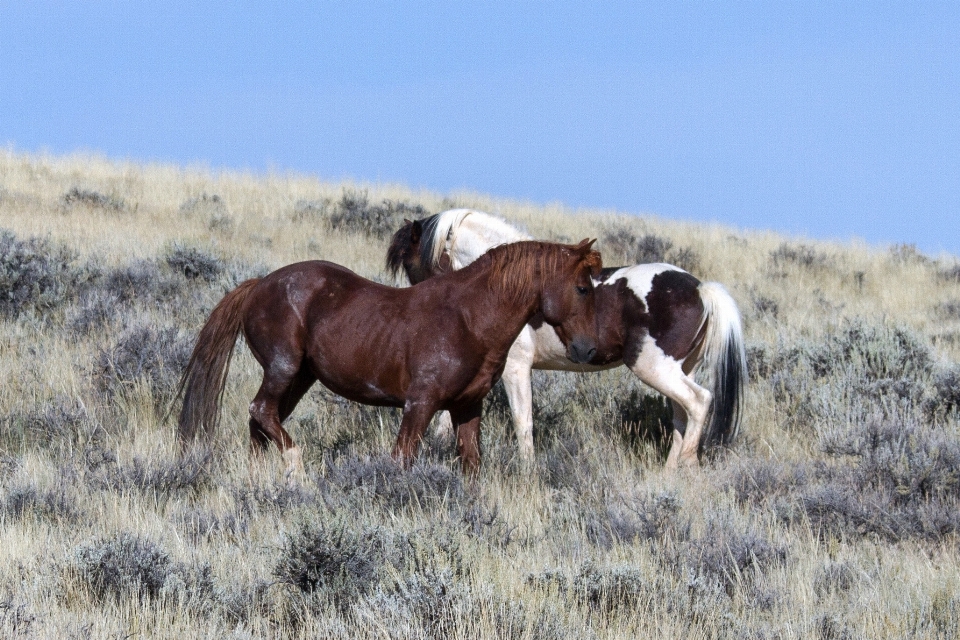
(359, 390)
(567, 365)
(355, 368)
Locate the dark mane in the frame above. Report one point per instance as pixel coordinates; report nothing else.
(428, 240)
(400, 244)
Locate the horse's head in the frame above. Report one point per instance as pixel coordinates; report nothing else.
(567, 299)
(406, 252)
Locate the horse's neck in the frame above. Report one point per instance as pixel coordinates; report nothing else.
(477, 234)
(503, 315)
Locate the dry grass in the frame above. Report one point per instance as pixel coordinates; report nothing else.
(835, 517)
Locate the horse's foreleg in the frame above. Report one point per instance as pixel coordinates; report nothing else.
(467, 423)
(416, 417)
(516, 382)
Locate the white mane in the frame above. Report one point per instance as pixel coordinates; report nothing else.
(467, 234)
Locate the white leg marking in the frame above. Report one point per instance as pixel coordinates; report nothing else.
(673, 458)
(444, 426)
(294, 470)
(665, 375)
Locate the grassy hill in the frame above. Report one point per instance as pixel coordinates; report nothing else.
(836, 515)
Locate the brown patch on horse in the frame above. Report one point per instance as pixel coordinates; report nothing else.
(676, 312)
(635, 319)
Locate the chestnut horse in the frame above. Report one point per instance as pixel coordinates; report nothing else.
(440, 345)
(656, 319)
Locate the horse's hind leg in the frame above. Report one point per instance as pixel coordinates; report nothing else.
(278, 395)
(666, 375)
(679, 429)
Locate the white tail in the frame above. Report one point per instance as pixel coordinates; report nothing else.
(723, 369)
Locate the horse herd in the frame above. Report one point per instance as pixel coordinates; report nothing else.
(487, 303)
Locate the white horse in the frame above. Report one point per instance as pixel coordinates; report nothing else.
(656, 319)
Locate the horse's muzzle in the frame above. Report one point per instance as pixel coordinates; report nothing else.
(581, 350)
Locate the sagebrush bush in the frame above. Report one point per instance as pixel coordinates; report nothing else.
(61, 421)
(862, 367)
(143, 352)
(311, 210)
(353, 213)
(27, 499)
(93, 199)
(94, 313)
(335, 560)
(204, 205)
(202, 524)
(648, 248)
(802, 255)
(130, 566)
(37, 275)
(950, 273)
(194, 263)
(427, 604)
(382, 480)
(731, 554)
(945, 398)
(835, 577)
(185, 473)
(652, 519)
(16, 617)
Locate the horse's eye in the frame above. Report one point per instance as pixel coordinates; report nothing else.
(583, 290)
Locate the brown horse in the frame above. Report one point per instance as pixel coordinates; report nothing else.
(440, 345)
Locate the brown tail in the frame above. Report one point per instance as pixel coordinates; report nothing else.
(203, 382)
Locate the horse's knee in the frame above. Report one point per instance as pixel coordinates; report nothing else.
(260, 412)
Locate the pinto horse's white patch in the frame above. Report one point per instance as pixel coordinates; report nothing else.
(640, 277)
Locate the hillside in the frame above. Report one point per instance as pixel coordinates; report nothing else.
(836, 515)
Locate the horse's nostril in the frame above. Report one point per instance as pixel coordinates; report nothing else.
(580, 352)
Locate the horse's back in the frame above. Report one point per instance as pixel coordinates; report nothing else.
(294, 298)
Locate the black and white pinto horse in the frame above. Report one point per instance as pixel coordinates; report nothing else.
(656, 319)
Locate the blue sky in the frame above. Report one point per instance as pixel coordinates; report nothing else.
(832, 120)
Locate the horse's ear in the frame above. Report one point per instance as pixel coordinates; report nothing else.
(585, 245)
(591, 257)
(415, 231)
